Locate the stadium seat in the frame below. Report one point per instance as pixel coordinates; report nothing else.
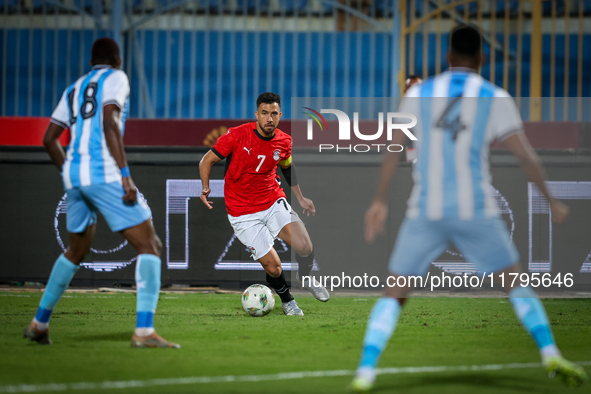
(318, 7)
(85, 5)
(487, 10)
(214, 6)
(151, 5)
(501, 5)
(252, 6)
(39, 5)
(140, 5)
(168, 3)
(8, 6)
(472, 9)
(383, 8)
(291, 7)
(586, 7)
(561, 8)
(547, 7)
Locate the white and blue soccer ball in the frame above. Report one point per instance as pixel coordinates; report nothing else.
(258, 300)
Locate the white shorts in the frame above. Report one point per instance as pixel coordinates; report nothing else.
(257, 231)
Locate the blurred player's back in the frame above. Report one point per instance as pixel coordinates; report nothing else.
(459, 114)
(88, 159)
(97, 179)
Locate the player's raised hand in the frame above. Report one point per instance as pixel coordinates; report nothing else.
(375, 217)
(130, 190)
(204, 195)
(559, 212)
(308, 206)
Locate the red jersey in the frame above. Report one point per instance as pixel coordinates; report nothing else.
(251, 179)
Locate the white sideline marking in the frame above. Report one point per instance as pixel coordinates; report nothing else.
(124, 384)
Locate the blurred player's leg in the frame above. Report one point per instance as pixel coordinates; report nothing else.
(147, 276)
(276, 280)
(418, 243)
(380, 327)
(64, 269)
(487, 244)
(532, 315)
(296, 235)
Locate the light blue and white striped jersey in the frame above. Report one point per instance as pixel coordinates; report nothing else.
(88, 159)
(459, 115)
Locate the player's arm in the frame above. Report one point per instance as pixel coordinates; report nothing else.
(376, 215)
(289, 172)
(52, 144)
(60, 120)
(530, 163)
(208, 160)
(114, 139)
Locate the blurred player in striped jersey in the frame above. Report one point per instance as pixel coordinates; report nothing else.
(460, 114)
(96, 178)
(257, 207)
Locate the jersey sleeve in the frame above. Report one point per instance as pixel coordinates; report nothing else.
(116, 89)
(286, 157)
(61, 114)
(225, 144)
(505, 115)
(410, 102)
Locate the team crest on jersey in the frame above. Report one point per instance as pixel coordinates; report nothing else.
(276, 155)
(252, 251)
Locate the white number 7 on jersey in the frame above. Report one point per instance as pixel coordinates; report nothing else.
(262, 157)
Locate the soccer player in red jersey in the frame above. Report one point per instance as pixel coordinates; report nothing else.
(257, 206)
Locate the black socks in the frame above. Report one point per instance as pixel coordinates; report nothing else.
(305, 263)
(280, 286)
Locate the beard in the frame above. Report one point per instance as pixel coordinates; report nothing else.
(266, 130)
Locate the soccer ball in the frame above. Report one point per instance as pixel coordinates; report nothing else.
(258, 300)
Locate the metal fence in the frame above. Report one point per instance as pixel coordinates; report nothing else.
(211, 58)
(223, 58)
(533, 48)
(198, 59)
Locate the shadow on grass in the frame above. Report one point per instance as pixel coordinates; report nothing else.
(461, 382)
(109, 336)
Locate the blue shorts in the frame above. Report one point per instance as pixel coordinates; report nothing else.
(483, 242)
(84, 202)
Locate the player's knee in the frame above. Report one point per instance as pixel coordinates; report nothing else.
(151, 245)
(157, 245)
(76, 255)
(306, 248)
(274, 270)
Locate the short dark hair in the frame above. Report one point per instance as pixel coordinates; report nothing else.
(105, 51)
(269, 98)
(413, 76)
(466, 41)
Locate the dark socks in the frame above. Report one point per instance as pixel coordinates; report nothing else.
(305, 263)
(280, 286)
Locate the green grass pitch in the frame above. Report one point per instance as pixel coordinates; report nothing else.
(91, 335)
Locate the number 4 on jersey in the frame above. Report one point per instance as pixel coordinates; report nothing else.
(450, 119)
